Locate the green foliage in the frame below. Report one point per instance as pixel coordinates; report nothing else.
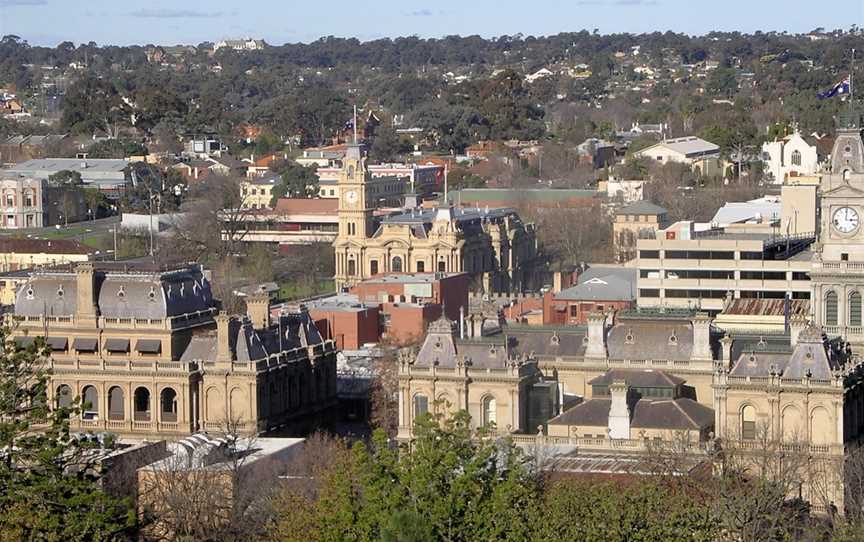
(386, 147)
(66, 177)
(451, 486)
(48, 489)
(297, 181)
(116, 148)
(607, 512)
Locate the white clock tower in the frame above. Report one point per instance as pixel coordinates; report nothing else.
(838, 260)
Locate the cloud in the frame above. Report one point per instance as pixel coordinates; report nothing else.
(628, 2)
(13, 3)
(164, 13)
(425, 12)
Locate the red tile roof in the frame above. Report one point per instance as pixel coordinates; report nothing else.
(40, 246)
(307, 205)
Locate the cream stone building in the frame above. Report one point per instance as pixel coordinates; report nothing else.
(494, 246)
(149, 355)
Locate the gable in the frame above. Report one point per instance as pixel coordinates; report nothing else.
(844, 190)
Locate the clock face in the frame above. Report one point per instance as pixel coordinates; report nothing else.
(351, 196)
(845, 220)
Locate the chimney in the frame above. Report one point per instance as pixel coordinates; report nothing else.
(556, 281)
(223, 346)
(619, 410)
(702, 337)
(726, 345)
(596, 336)
(796, 326)
(258, 309)
(85, 307)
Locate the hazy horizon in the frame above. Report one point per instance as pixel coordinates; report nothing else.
(49, 22)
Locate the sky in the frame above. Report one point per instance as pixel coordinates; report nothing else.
(168, 22)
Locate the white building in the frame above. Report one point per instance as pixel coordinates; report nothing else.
(702, 156)
(246, 44)
(791, 156)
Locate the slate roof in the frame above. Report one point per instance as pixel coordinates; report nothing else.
(646, 413)
(602, 284)
(642, 207)
(119, 294)
(43, 246)
(813, 356)
(635, 378)
(647, 339)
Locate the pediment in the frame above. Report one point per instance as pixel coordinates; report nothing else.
(843, 191)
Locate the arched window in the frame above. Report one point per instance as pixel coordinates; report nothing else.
(64, 396)
(421, 405)
(748, 423)
(168, 405)
(489, 411)
(796, 158)
(831, 309)
(91, 403)
(396, 264)
(352, 268)
(142, 405)
(116, 410)
(854, 309)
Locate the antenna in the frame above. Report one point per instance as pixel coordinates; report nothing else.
(354, 123)
(446, 202)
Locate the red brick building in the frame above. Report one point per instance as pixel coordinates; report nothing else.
(599, 289)
(396, 307)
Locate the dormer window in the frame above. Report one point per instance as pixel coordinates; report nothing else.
(60, 291)
(121, 293)
(673, 339)
(29, 293)
(629, 337)
(555, 339)
(151, 295)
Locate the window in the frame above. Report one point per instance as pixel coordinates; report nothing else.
(352, 268)
(10, 200)
(844, 256)
(800, 275)
(64, 396)
(748, 423)
(831, 309)
(421, 405)
(649, 292)
(442, 267)
(141, 404)
(373, 267)
(90, 403)
(396, 264)
(28, 198)
(574, 311)
(751, 255)
(855, 309)
(796, 158)
(115, 403)
(649, 254)
(489, 411)
(421, 266)
(168, 402)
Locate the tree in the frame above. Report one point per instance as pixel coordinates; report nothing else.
(93, 104)
(452, 483)
(386, 147)
(116, 148)
(297, 181)
(48, 480)
(66, 177)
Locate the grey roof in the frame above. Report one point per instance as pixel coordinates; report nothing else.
(250, 344)
(647, 339)
(813, 356)
(642, 207)
(439, 348)
(646, 413)
(688, 146)
(603, 284)
(84, 166)
(459, 214)
(119, 294)
(648, 378)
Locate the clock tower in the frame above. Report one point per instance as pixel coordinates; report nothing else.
(355, 218)
(837, 279)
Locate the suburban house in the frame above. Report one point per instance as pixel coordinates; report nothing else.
(702, 156)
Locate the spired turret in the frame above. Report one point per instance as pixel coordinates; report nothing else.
(847, 156)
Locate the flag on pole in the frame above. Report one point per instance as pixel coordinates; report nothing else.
(839, 89)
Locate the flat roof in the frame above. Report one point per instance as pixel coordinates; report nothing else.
(460, 214)
(408, 278)
(101, 165)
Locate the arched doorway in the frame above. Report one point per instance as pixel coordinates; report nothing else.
(141, 412)
(90, 405)
(64, 396)
(116, 408)
(168, 405)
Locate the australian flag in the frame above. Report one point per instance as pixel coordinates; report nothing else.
(839, 89)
